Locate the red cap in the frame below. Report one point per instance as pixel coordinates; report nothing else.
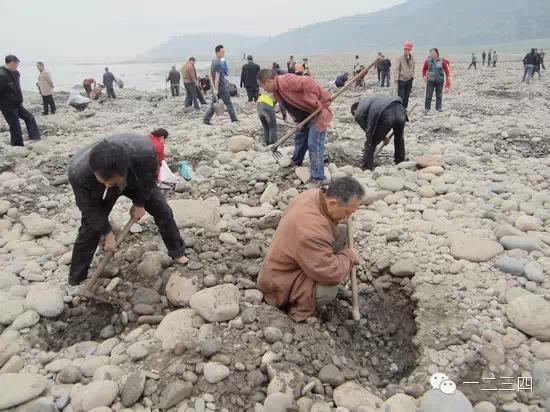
(408, 45)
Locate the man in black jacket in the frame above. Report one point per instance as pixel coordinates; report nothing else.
(249, 80)
(108, 82)
(377, 115)
(530, 61)
(174, 79)
(11, 103)
(385, 66)
(126, 165)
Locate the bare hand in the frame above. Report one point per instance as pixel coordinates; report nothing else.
(354, 255)
(136, 213)
(110, 243)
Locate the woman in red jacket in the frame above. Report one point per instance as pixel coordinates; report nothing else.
(436, 73)
(158, 139)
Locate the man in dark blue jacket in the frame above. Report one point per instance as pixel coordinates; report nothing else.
(119, 165)
(341, 80)
(11, 103)
(108, 82)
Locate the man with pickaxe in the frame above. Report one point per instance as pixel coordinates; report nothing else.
(125, 165)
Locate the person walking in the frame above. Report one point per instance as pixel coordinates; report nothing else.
(45, 85)
(301, 96)
(291, 64)
(495, 58)
(541, 58)
(88, 85)
(220, 88)
(404, 73)
(11, 103)
(385, 66)
(379, 66)
(483, 57)
(529, 62)
(489, 58)
(536, 69)
(474, 62)
(436, 73)
(191, 84)
(249, 74)
(108, 82)
(174, 79)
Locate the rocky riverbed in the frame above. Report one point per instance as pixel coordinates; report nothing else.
(455, 275)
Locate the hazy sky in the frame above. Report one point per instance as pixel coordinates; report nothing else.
(119, 29)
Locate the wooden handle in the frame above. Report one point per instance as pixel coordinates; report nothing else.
(354, 293)
(291, 132)
(101, 267)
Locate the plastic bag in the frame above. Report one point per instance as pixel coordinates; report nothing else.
(166, 175)
(77, 98)
(185, 170)
(219, 108)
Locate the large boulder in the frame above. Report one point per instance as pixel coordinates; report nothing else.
(436, 401)
(531, 315)
(46, 300)
(240, 143)
(196, 213)
(351, 395)
(218, 303)
(473, 248)
(37, 226)
(176, 327)
(179, 289)
(18, 388)
(93, 395)
(393, 184)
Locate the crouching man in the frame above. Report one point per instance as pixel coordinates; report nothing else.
(377, 115)
(306, 262)
(126, 165)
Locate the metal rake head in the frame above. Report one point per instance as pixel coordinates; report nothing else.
(275, 152)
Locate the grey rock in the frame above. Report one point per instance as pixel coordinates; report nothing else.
(26, 320)
(534, 272)
(46, 300)
(217, 304)
(403, 268)
(133, 388)
(174, 393)
(519, 242)
(271, 220)
(393, 184)
(436, 401)
(215, 372)
(541, 379)
(351, 395)
(11, 309)
(240, 143)
(179, 289)
(38, 226)
(93, 395)
(531, 315)
(509, 265)
(332, 375)
(137, 351)
(145, 295)
(272, 334)
(69, 374)
(474, 249)
(18, 388)
(279, 402)
(253, 250)
(196, 213)
(44, 404)
(210, 347)
(485, 407)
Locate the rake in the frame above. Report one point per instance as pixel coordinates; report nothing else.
(275, 148)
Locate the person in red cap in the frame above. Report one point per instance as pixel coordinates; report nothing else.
(404, 74)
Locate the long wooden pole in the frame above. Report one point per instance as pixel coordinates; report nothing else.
(354, 293)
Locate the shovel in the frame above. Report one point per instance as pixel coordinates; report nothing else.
(275, 148)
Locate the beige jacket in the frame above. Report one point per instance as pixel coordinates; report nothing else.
(45, 83)
(301, 254)
(189, 73)
(404, 70)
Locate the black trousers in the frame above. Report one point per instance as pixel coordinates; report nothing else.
(12, 116)
(252, 94)
(110, 92)
(193, 95)
(394, 117)
(404, 88)
(88, 239)
(48, 103)
(266, 113)
(472, 64)
(430, 87)
(175, 89)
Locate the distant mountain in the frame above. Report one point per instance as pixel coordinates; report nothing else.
(434, 23)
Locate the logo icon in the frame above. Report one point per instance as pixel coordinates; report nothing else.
(443, 383)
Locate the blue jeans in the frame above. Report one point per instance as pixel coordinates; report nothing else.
(312, 140)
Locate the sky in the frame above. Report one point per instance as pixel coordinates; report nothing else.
(77, 30)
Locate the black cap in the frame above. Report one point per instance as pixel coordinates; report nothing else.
(10, 58)
(250, 58)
